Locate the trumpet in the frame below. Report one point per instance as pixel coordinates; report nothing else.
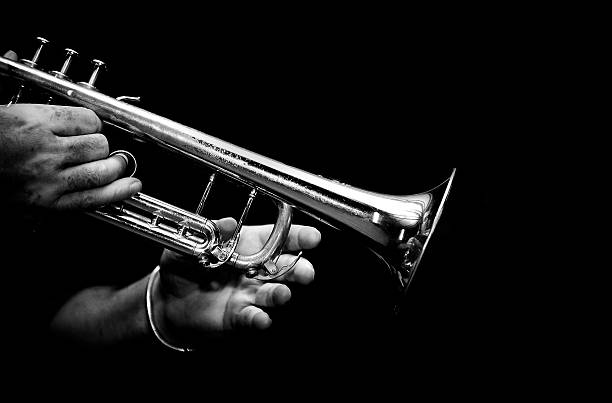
(397, 228)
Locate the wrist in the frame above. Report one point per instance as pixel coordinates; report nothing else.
(157, 316)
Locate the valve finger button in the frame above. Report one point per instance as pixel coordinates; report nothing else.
(34, 61)
(70, 54)
(98, 65)
(129, 159)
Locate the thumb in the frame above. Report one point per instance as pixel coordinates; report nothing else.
(226, 227)
(6, 85)
(11, 55)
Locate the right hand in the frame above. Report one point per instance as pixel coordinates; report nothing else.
(55, 157)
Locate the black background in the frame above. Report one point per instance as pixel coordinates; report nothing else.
(386, 109)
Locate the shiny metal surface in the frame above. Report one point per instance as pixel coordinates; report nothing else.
(396, 228)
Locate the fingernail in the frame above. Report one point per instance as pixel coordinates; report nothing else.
(135, 187)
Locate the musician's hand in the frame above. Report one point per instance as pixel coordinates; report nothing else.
(55, 157)
(190, 307)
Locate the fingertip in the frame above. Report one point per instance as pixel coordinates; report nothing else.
(309, 237)
(308, 274)
(304, 273)
(282, 295)
(261, 321)
(316, 236)
(226, 225)
(96, 121)
(135, 186)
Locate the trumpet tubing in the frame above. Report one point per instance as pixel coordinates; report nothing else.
(396, 228)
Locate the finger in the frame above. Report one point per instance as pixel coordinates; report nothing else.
(302, 237)
(11, 55)
(272, 295)
(85, 148)
(113, 192)
(303, 272)
(64, 120)
(93, 174)
(226, 227)
(252, 317)
(299, 237)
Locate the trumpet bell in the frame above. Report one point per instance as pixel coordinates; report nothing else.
(402, 228)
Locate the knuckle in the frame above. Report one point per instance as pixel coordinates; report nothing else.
(32, 171)
(11, 119)
(92, 176)
(87, 200)
(98, 174)
(41, 195)
(35, 130)
(41, 167)
(101, 143)
(72, 147)
(33, 196)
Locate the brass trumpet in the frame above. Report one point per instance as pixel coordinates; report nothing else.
(396, 228)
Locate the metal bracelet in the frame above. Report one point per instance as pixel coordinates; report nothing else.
(149, 301)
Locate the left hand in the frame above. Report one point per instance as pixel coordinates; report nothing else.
(191, 303)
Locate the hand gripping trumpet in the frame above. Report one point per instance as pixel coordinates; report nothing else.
(396, 228)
